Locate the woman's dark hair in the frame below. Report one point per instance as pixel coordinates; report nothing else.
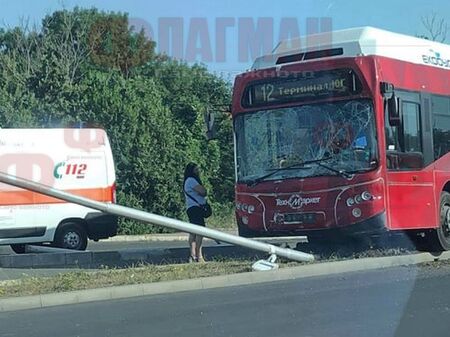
(189, 172)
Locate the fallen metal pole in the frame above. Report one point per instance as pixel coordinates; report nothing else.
(155, 219)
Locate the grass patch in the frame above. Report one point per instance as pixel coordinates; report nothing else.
(79, 280)
(349, 255)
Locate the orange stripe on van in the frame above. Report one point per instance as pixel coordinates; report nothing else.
(23, 197)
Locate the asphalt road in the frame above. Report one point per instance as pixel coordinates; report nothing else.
(406, 301)
(325, 248)
(112, 246)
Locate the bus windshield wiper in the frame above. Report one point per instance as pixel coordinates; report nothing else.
(342, 173)
(299, 165)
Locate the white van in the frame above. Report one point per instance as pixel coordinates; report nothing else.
(77, 161)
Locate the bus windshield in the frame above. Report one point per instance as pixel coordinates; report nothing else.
(268, 140)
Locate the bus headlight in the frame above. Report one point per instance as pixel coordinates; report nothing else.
(245, 208)
(358, 199)
(356, 212)
(350, 202)
(366, 196)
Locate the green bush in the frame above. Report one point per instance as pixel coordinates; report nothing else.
(151, 106)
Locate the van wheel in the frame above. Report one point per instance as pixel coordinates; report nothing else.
(18, 248)
(439, 239)
(71, 235)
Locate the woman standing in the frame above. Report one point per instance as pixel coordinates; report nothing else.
(195, 195)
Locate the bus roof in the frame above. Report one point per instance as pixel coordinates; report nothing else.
(363, 41)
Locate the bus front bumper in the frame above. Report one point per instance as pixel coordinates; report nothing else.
(375, 225)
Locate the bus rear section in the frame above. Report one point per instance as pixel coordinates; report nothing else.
(77, 161)
(348, 138)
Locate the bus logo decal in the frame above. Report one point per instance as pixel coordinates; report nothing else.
(436, 59)
(296, 201)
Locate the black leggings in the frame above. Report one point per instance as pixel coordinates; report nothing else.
(195, 214)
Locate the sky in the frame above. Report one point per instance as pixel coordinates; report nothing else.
(221, 34)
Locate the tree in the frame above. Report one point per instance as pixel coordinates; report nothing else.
(436, 28)
(117, 46)
(86, 65)
(65, 36)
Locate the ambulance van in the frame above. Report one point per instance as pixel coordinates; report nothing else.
(77, 161)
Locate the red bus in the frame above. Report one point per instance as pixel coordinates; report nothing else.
(349, 137)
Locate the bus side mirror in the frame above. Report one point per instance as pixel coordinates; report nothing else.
(393, 104)
(387, 89)
(210, 125)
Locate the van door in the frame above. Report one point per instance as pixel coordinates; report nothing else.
(17, 221)
(7, 222)
(17, 216)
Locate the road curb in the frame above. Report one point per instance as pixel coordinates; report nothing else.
(158, 237)
(117, 258)
(310, 270)
(148, 237)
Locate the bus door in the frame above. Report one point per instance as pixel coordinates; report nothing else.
(410, 192)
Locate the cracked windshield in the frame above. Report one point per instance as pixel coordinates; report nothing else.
(224, 168)
(275, 139)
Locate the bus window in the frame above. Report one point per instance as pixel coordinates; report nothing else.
(441, 125)
(411, 127)
(404, 143)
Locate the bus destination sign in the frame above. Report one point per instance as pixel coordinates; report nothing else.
(308, 86)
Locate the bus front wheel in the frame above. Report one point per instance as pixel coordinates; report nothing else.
(439, 239)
